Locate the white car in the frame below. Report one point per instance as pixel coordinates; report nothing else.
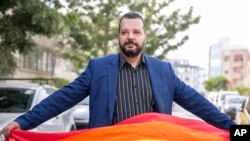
(81, 114)
(212, 96)
(17, 98)
(221, 97)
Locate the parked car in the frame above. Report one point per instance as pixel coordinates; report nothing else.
(243, 115)
(81, 114)
(231, 104)
(221, 97)
(18, 98)
(212, 96)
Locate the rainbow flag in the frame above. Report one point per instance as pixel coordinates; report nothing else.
(144, 127)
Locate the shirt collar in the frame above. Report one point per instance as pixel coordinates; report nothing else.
(123, 60)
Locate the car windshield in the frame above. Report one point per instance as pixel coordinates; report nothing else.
(224, 95)
(236, 100)
(15, 100)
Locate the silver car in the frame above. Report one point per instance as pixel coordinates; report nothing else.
(221, 97)
(17, 98)
(232, 104)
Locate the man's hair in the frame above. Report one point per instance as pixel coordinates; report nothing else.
(131, 15)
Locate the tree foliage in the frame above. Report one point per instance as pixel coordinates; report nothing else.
(216, 83)
(89, 27)
(95, 34)
(244, 90)
(20, 20)
(59, 82)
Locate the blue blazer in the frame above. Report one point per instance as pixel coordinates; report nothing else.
(99, 81)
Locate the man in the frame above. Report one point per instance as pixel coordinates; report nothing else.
(123, 85)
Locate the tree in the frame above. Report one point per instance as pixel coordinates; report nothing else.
(20, 20)
(59, 82)
(216, 83)
(243, 90)
(95, 33)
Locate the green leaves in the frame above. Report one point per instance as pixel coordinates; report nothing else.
(8, 63)
(216, 83)
(88, 28)
(20, 20)
(97, 33)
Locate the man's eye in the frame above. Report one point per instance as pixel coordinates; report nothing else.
(137, 32)
(124, 32)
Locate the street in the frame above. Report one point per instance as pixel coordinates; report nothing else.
(179, 111)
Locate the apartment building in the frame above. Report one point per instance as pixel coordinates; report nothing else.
(192, 75)
(236, 66)
(43, 62)
(231, 61)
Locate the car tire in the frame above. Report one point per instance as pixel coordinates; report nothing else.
(73, 128)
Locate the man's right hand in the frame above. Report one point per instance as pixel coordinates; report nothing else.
(11, 126)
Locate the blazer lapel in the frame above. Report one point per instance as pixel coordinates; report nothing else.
(112, 82)
(156, 82)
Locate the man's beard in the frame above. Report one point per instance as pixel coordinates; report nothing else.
(131, 53)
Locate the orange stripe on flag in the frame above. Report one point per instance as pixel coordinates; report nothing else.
(153, 131)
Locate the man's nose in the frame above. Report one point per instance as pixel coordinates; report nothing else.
(131, 35)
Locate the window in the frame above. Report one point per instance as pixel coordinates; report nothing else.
(226, 58)
(39, 61)
(226, 72)
(238, 58)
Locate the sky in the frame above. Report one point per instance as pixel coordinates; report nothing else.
(219, 19)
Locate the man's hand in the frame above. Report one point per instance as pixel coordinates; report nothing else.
(11, 126)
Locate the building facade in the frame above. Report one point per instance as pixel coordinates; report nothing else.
(235, 66)
(43, 62)
(231, 61)
(194, 76)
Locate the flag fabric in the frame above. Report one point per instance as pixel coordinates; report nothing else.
(143, 127)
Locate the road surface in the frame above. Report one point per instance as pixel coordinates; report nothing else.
(179, 111)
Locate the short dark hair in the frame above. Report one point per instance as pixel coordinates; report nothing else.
(131, 15)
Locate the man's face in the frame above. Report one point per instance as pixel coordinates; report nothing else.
(131, 37)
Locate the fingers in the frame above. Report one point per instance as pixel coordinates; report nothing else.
(11, 126)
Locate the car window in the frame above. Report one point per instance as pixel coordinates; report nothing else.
(224, 95)
(236, 100)
(15, 100)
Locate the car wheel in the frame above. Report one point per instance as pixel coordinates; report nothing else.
(73, 128)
